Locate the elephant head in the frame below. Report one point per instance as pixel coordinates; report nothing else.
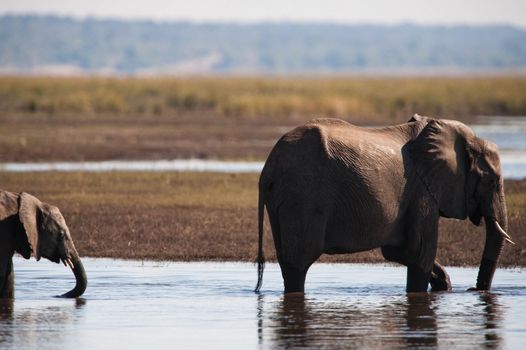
(45, 234)
(463, 174)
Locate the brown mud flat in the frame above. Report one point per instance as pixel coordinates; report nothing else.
(194, 135)
(208, 216)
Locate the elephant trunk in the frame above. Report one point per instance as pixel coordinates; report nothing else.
(490, 257)
(496, 227)
(80, 277)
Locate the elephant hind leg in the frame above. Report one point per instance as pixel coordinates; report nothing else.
(295, 260)
(302, 240)
(294, 279)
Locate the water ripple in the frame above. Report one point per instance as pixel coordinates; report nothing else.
(141, 304)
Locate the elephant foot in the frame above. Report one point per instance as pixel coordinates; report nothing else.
(439, 279)
(417, 279)
(294, 280)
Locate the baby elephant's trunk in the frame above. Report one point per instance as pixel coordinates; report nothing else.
(80, 276)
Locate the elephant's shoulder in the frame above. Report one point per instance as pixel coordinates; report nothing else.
(8, 204)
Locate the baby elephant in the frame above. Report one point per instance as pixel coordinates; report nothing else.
(29, 226)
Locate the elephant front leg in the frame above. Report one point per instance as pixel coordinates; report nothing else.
(7, 278)
(421, 250)
(439, 279)
(420, 245)
(417, 278)
(421, 227)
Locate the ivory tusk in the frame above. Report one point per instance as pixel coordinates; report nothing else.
(503, 233)
(70, 264)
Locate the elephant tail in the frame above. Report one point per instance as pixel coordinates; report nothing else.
(261, 257)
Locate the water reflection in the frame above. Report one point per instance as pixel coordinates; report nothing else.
(6, 320)
(34, 327)
(138, 304)
(6, 310)
(413, 321)
(421, 320)
(492, 315)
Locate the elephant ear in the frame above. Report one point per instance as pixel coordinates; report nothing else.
(29, 213)
(439, 155)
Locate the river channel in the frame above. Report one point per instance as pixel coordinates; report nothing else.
(141, 304)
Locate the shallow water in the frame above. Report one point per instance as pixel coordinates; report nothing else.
(190, 165)
(133, 304)
(509, 133)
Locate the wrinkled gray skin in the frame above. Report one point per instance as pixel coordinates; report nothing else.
(332, 187)
(31, 227)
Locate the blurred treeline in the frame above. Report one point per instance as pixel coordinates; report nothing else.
(96, 45)
(369, 100)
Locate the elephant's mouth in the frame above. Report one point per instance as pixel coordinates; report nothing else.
(57, 255)
(56, 258)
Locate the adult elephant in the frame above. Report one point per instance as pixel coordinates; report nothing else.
(332, 187)
(31, 227)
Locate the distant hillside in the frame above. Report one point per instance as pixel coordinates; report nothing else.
(53, 44)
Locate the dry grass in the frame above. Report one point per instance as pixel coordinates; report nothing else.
(206, 216)
(256, 98)
(75, 119)
(176, 216)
